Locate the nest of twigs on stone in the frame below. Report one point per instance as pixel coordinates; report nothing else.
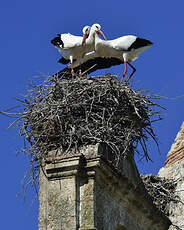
(65, 114)
(161, 190)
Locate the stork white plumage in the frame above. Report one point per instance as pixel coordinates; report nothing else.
(72, 47)
(126, 49)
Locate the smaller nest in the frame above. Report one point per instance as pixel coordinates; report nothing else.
(161, 190)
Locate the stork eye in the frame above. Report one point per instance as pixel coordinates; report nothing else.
(97, 27)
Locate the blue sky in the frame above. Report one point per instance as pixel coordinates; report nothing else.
(25, 51)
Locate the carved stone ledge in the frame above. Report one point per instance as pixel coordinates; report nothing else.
(63, 167)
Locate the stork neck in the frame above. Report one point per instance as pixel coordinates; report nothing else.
(91, 38)
(97, 39)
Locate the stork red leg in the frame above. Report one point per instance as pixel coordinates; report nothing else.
(72, 71)
(134, 69)
(125, 71)
(80, 73)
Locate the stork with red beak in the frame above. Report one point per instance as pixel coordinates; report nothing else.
(70, 46)
(91, 38)
(75, 47)
(124, 49)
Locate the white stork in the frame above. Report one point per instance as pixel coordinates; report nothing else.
(70, 46)
(124, 49)
(73, 48)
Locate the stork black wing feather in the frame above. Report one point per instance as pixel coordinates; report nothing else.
(138, 43)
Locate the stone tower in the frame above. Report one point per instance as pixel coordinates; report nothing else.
(84, 191)
(174, 169)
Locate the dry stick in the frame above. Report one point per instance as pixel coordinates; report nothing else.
(15, 122)
(89, 69)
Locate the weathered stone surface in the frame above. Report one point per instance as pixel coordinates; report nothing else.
(58, 194)
(89, 194)
(58, 205)
(87, 209)
(110, 213)
(174, 169)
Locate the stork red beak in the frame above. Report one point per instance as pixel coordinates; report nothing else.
(84, 39)
(101, 33)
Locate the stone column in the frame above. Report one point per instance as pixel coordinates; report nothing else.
(58, 194)
(88, 193)
(87, 213)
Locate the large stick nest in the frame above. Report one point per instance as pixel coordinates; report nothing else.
(66, 114)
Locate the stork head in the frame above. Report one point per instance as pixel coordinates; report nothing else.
(97, 29)
(86, 31)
